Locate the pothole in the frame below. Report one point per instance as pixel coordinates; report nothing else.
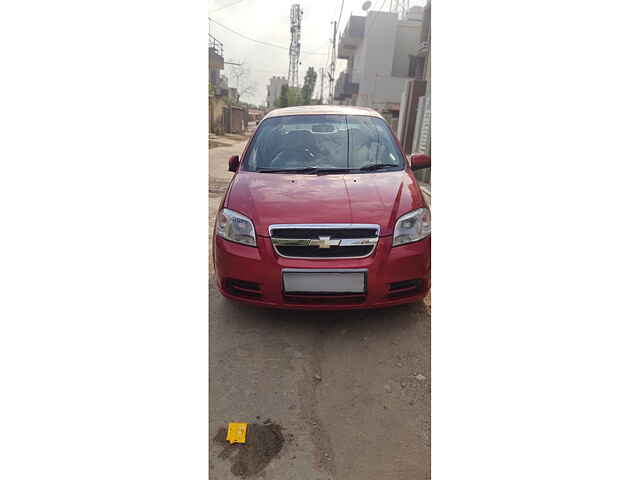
(263, 443)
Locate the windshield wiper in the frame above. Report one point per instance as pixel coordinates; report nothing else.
(317, 170)
(282, 170)
(321, 171)
(378, 166)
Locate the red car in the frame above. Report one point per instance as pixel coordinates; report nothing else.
(323, 213)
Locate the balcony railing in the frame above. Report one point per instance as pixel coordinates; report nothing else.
(351, 37)
(423, 49)
(216, 45)
(216, 54)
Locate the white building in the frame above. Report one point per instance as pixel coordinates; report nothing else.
(273, 90)
(380, 50)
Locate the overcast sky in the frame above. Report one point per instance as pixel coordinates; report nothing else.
(268, 21)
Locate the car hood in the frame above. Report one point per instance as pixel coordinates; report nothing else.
(375, 198)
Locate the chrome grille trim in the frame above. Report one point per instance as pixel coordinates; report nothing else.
(317, 242)
(373, 226)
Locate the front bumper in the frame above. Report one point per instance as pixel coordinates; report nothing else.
(388, 271)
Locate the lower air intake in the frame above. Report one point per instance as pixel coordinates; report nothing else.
(243, 288)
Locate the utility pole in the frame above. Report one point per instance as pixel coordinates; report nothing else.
(332, 67)
(321, 85)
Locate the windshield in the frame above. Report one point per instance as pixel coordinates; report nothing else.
(314, 143)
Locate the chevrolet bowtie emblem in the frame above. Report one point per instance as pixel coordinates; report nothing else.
(325, 242)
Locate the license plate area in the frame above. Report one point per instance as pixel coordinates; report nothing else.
(324, 281)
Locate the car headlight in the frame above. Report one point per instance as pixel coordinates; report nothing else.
(412, 227)
(235, 227)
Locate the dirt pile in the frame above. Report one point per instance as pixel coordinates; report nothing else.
(263, 443)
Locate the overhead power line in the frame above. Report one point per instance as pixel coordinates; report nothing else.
(228, 5)
(340, 17)
(335, 13)
(268, 44)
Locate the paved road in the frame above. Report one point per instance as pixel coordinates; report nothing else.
(365, 414)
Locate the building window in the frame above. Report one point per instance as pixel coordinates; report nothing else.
(413, 64)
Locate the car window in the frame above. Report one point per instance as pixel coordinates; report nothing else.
(371, 143)
(322, 141)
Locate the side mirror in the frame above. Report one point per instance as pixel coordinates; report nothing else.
(420, 161)
(234, 163)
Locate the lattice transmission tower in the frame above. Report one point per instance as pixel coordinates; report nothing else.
(294, 48)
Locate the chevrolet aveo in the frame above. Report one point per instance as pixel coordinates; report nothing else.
(323, 212)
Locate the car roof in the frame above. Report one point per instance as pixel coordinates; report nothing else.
(323, 110)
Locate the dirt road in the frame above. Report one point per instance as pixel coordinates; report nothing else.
(348, 389)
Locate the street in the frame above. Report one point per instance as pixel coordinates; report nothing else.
(349, 389)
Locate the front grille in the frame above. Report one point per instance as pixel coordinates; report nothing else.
(324, 241)
(333, 252)
(299, 233)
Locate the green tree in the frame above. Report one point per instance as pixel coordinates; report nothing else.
(309, 85)
(294, 97)
(283, 101)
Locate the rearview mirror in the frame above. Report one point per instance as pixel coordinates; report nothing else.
(234, 163)
(419, 161)
(323, 128)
